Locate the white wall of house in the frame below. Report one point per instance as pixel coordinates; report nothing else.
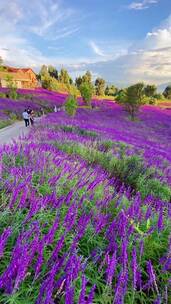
(3, 83)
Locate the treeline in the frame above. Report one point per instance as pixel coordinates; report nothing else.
(53, 79)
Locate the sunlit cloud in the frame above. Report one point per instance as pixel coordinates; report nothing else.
(141, 5)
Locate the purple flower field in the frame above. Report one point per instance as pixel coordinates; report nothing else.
(86, 207)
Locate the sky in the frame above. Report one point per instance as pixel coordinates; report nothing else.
(123, 41)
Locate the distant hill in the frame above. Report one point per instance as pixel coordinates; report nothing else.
(162, 86)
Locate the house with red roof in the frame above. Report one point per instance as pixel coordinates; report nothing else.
(23, 78)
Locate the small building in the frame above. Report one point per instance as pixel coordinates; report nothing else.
(23, 78)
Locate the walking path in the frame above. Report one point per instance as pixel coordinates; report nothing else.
(13, 132)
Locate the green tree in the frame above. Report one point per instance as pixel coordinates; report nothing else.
(53, 72)
(150, 90)
(121, 96)
(100, 86)
(12, 87)
(47, 81)
(43, 70)
(87, 77)
(71, 105)
(107, 90)
(159, 96)
(111, 90)
(86, 91)
(167, 92)
(133, 98)
(78, 81)
(1, 61)
(64, 76)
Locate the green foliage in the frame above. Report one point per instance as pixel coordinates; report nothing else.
(111, 90)
(78, 130)
(167, 92)
(78, 81)
(86, 92)
(47, 81)
(133, 98)
(86, 78)
(64, 76)
(100, 86)
(44, 189)
(5, 123)
(121, 96)
(2, 95)
(159, 96)
(149, 100)
(71, 105)
(12, 87)
(150, 90)
(53, 72)
(43, 71)
(1, 61)
(128, 169)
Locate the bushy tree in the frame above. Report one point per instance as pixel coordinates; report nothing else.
(107, 90)
(53, 72)
(47, 81)
(167, 92)
(133, 98)
(111, 90)
(78, 81)
(71, 105)
(1, 61)
(121, 96)
(12, 87)
(150, 90)
(43, 70)
(87, 77)
(64, 76)
(86, 91)
(159, 96)
(100, 86)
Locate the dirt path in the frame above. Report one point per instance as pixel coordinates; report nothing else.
(13, 132)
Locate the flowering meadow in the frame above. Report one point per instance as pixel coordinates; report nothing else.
(85, 208)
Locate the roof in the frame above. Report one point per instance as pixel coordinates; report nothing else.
(16, 70)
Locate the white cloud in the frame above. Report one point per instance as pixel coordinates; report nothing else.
(96, 49)
(141, 5)
(116, 61)
(148, 60)
(48, 16)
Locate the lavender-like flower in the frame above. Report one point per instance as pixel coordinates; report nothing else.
(111, 266)
(83, 291)
(4, 238)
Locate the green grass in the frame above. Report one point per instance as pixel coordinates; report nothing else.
(128, 169)
(5, 123)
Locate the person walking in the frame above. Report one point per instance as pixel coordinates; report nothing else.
(26, 117)
(32, 118)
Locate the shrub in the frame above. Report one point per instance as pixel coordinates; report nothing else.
(2, 95)
(86, 92)
(71, 105)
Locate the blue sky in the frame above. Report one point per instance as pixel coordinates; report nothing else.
(123, 41)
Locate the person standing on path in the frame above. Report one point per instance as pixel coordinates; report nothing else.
(32, 118)
(26, 117)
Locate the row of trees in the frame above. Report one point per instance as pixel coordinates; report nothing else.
(131, 98)
(136, 95)
(49, 75)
